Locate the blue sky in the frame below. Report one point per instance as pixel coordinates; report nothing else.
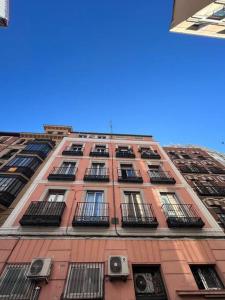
(86, 62)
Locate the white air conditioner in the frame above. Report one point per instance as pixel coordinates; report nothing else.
(118, 267)
(40, 268)
(143, 283)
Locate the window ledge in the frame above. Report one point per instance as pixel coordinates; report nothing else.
(218, 294)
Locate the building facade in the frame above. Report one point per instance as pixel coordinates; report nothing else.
(205, 174)
(4, 13)
(21, 155)
(110, 216)
(199, 17)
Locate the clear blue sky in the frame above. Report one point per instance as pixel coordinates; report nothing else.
(86, 62)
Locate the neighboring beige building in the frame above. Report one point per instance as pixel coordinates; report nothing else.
(199, 17)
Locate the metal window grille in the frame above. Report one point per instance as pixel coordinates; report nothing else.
(206, 277)
(85, 281)
(14, 285)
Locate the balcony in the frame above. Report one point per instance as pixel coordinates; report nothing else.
(91, 214)
(43, 213)
(38, 147)
(97, 153)
(193, 170)
(129, 175)
(161, 177)
(62, 173)
(26, 171)
(211, 190)
(148, 154)
(72, 152)
(97, 174)
(216, 170)
(221, 217)
(125, 154)
(182, 215)
(138, 215)
(10, 186)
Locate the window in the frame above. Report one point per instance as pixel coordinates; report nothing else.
(97, 169)
(134, 205)
(10, 184)
(198, 26)
(85, 281)
(127, 170)
(206, 277)
(21, 141)
(67, 167)
(156, 171)
(148, 283)
(218, 15)
(94, 200)
(23, 161)
(38, 147)
(82, 136)
(123, 148)
(3, 139)
(101, 137)
(100, 148)
(76, 147)
(222, 32)
(14, 283)
(56, 196)
(172, 205)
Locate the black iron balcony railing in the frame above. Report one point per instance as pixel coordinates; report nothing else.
(43, 213)
(96, 174)
(212, 190)
(149, 154)
(216, 170)
(73, 152)
(91, 214)
(197, 170)
(125, 154)
(63, 173)
(97, 153)
(27, 171)
(182, 215)
(138, 215)
(161, 177)
(129, 175)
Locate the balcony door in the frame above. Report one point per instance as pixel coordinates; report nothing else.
(100, 148)
(76, 147)
(127, 171)
(67, 167)
(55, 196)
(97, 169)
(134, 205)
(94, 204)
(156, 171)
(172, 205)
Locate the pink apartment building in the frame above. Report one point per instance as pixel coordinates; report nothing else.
(110, 217)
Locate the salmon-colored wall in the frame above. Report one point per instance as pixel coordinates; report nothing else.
(174, 257)
(75, 192)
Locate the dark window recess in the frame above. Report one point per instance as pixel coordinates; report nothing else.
(149, 153)
(9, 154)
(210, 189)
(174, 155)
(186, 156)
(100, 151)
(10, 186)
(218, 15)
(43, 213)
(128, 174)
(39, 147)
(196, 27)
(192, 168)
(14, 283)
(85, 281)
(125, 152)
(216, 170)
(148, 283)
(22, 164)
(206, 277)
(222, 32)
(74, 150)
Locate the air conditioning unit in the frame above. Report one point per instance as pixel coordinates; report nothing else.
(118, 267)
(40, 268)
(143, 283)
